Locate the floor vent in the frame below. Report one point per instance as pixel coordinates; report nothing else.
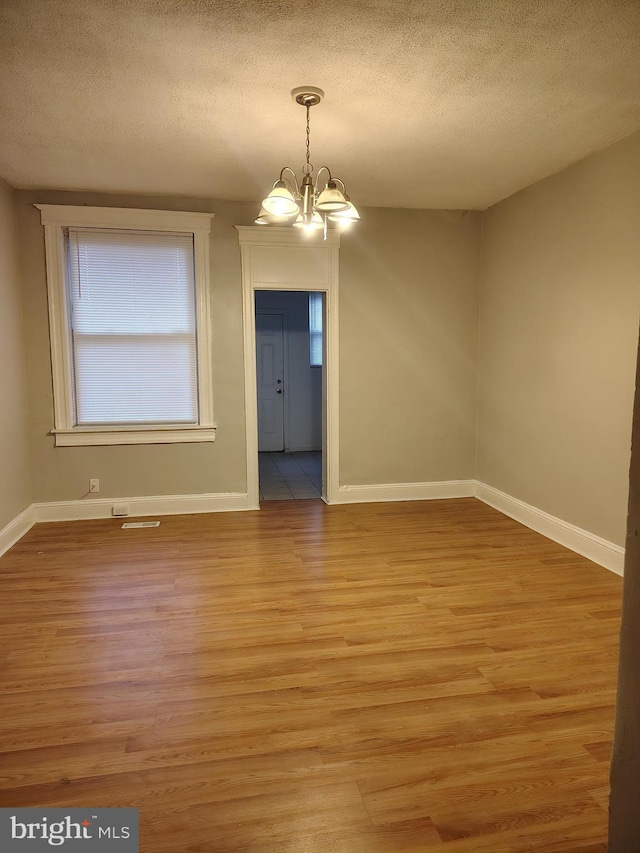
(141, 524)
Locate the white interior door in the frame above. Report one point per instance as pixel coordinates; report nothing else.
(270, 376)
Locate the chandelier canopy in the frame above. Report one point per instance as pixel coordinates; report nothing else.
(314, 201)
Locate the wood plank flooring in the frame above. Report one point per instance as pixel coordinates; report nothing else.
(350, 679)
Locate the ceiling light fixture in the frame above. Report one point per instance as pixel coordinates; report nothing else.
(309, 204)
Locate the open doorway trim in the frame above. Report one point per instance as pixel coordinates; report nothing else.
(285, 259)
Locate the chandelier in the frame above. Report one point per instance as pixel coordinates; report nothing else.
(316, 200)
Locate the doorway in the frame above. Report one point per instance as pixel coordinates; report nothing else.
(276, 259)
(289, 386)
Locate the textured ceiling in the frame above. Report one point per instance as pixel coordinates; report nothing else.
(429, 103)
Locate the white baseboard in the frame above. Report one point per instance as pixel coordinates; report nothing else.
(575, 538)
(581, 541)
(16, 529)
(152, 505)
(405, 491)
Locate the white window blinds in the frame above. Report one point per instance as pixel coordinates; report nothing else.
(315, 329)
(133, 326)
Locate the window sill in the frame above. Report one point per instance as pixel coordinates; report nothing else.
(80, 436)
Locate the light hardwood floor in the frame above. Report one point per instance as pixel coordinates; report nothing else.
(351, 679)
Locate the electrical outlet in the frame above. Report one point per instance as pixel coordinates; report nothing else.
(119, 509)
(94, 485)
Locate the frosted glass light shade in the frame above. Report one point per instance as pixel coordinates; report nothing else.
(263, 217)
(331, 199)
(280, 202)
(316, 222)
(347, 216)
(266, 218)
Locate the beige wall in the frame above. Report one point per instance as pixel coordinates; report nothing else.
(15, 476)
(408, 347)
(407, 360)
(559, 311)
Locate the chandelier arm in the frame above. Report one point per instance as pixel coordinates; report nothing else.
(330, 178)
(295, 179)
(341, 182)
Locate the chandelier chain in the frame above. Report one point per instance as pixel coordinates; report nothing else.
(308, 168)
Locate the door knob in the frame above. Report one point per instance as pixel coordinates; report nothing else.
(279, 391)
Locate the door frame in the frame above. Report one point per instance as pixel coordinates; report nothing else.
(272, 260)
(282, 312)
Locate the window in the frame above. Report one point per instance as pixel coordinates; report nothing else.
(315, 329)
(129, 320)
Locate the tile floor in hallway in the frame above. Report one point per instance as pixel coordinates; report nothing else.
(290, 476)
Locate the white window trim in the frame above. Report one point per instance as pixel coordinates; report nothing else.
(57, 217)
